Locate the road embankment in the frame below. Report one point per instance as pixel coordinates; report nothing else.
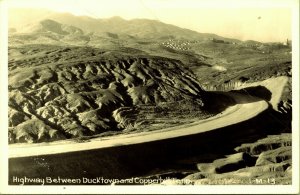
(134, 156)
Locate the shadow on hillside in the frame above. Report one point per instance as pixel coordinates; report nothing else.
(257, 91)
(218, 101)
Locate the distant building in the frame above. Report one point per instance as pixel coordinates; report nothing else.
(288, 42)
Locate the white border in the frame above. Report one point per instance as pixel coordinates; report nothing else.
(4, 94)
(228, 189)
(295, 97)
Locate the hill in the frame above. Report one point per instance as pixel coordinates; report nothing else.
(55, 95)
(139, 28)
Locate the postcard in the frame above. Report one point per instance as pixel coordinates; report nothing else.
(140, 96)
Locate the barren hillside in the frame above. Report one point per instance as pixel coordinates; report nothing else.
(64, 92)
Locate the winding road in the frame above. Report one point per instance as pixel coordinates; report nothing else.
(246, 107)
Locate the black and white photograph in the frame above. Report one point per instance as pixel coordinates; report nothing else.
(150, 96)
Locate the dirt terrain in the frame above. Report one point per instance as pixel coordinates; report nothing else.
(53, 97)
(75, 79)
(234, 114)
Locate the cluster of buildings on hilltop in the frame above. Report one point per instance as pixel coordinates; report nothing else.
(177, 44)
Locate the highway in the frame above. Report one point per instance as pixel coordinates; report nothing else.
(246, 107)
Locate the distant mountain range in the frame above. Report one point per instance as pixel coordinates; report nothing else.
(67, 24)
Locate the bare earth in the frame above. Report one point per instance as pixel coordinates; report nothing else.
(246, 107)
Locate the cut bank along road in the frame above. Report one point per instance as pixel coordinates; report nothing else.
(246, 107)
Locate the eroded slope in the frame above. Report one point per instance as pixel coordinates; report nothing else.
(65, 92)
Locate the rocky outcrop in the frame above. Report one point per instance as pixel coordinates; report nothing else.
(270, 143)
(269, 165)
(231, 163)
(278, 155)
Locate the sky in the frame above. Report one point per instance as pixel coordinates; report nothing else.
(261, 20)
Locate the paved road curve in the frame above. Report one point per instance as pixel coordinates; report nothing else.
(246, 108)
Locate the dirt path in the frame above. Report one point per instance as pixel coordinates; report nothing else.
(246, 108)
